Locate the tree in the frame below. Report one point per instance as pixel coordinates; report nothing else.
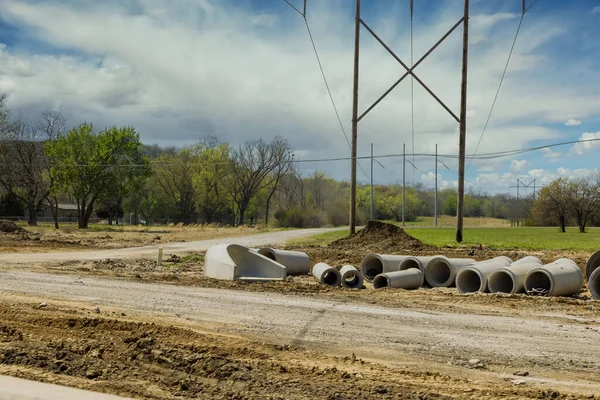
(554, 201)
(174, 175)
(23, 166)
(253, 165)
(583, 197)
(53, 125)
(210, 171)
(92, 165)
(11, 205)
(282, 157)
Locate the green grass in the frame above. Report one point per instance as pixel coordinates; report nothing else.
(321, 238)
(505, 238)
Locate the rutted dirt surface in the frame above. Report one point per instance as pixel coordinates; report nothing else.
(292, 339)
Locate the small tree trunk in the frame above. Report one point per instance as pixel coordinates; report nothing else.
(242, 212)
(54, 208)
(32, 209)
(562, 224)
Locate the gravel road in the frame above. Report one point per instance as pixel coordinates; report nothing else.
(261, 239)
(387, 334)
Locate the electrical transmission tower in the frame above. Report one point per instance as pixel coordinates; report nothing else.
(461, 119)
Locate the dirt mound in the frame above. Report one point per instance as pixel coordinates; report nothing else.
(9, 227)
(381, 236)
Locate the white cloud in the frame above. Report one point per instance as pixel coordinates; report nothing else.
(517, 165)
(563, 171)
(430, 177)
(596, 10)
(592, 142)
(572, 122)
(196, 67)
(537, 173)
(552, 156)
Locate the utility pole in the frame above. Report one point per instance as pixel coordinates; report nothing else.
(462, 128)
(354, 121)
(410, 72)
(435, 206)
(372, 219)
(403, 181)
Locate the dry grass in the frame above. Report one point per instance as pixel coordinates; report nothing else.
(447, 221)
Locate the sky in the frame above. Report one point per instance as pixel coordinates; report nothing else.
(245, 69)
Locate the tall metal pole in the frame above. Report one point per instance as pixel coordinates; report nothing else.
(435, 206)
(372, 219)
(462, 128)
(403, 181)
(354, 121)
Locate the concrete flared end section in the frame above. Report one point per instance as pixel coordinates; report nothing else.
(592, 264)
(235, 262)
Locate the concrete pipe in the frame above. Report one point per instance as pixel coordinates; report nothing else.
(411, 278)
(592, 264)
(560, 278)
(474, 278)
(327, 275)
(415, 262)
(594, 283)
(441, 271)
(375, 264)
(296, 262)
(351, 277)
(511, 279)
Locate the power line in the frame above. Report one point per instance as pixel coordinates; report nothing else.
(482, 156)
(524, 11)
(312, 41)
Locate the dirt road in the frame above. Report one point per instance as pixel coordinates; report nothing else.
(558, 353)
(273, 238)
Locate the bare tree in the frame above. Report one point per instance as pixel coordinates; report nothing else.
(282, 156)
(23, 169)
(583, 198)
(253, 168)
(53, 126)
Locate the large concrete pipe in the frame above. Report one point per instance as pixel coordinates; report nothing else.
(408, 279)
(327, 275)
(473, 278)
(511, 279)
(296, 262)
(375, 264)
(351, 277)
(441, 271)
(560, 278)
(415, 262)
(592, 264)
(594, 283)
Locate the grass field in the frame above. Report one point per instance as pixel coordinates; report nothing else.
(521, 238)
(447, 221)
(494, 238)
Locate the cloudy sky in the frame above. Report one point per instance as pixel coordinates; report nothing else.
(245, 69)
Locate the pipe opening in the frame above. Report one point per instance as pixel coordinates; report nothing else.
(373, 267)
(330, 278)
(269, 254)
(501, 282)
(351, 280)
(468, 281)
(381, 281)
(439, 273)
(409, 263)
(538, 283)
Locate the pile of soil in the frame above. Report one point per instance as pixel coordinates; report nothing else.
(381, 237)
(9, 227)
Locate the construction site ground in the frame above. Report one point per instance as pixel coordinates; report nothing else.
(129, 327)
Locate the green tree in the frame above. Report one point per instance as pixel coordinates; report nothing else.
(553, 201)
(92, 166)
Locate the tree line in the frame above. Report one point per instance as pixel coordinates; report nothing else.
(109, 173)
